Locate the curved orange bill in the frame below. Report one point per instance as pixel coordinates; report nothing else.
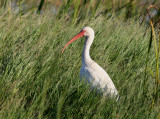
(80, 34)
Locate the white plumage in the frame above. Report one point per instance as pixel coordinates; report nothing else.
(90, 70)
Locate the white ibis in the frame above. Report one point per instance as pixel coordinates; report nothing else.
(90, 70)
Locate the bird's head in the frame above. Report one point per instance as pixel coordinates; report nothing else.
(86, 31)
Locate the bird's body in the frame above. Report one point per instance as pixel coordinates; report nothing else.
(90, 70)
(99, 78)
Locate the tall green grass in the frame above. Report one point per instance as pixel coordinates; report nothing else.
(38, 82)
(76, 10)
(156, 74)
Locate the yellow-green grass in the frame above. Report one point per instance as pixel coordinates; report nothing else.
(36, 81)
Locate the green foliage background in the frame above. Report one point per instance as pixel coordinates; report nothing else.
(38, 82)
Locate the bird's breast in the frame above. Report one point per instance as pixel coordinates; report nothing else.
(89, 75)
(84, 74)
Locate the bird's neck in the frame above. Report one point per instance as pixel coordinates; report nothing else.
(86, 59)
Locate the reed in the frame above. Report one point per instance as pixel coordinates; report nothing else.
(76, 9)
(36, 81)
(156, 74)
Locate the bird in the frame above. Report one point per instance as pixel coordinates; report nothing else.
(90, 70)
